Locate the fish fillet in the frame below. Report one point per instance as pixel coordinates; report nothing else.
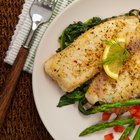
(81, 60)
(107, 90)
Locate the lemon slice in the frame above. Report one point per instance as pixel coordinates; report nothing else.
(113, 56)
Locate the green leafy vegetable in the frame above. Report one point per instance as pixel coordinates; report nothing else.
(81, 108)
(134, 12)
(75, 30)
(72, 97)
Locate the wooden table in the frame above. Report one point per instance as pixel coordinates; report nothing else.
(22, 121)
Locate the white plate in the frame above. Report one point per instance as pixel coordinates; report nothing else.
(66, 123)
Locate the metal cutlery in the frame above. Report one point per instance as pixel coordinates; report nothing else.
(40, 12)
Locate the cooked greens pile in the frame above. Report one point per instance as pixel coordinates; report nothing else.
(76, 95)
(72, 32)
(76, 29)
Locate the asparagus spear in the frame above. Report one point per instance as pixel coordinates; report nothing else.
(137, 135)
(107, 107)
(128, 131)
(104, 125)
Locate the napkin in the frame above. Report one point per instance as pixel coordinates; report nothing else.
(21, 32)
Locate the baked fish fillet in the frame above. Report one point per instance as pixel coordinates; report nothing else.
(105, 89)
(81, 60)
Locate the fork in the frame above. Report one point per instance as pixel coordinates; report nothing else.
(40, 12)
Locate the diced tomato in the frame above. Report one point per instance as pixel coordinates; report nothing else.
(120, 110)
(109, 136)
(137, 107)
(132, 110)
(137, 114)
(106, 116)
(118, 128)
(117, 110)
(135, 111)
(137, 121)
(127, 138)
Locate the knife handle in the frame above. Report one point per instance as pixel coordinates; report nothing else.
(10, 83)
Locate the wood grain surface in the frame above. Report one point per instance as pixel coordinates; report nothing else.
(22, 121)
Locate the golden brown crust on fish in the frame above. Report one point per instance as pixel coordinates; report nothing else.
(81, 60)
(104, 89)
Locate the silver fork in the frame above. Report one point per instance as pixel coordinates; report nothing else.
(40, 12)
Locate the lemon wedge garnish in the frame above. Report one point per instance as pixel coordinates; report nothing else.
(114, 56)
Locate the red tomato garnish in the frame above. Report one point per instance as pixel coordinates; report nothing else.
(127, 138)
(137, 114)
(117, 111)
(134, 109)
(118, 128)
(137, 121)
(137, 107)
(109, 136)
(106, 116)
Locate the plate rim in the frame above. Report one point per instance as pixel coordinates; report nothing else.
(33, 74)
